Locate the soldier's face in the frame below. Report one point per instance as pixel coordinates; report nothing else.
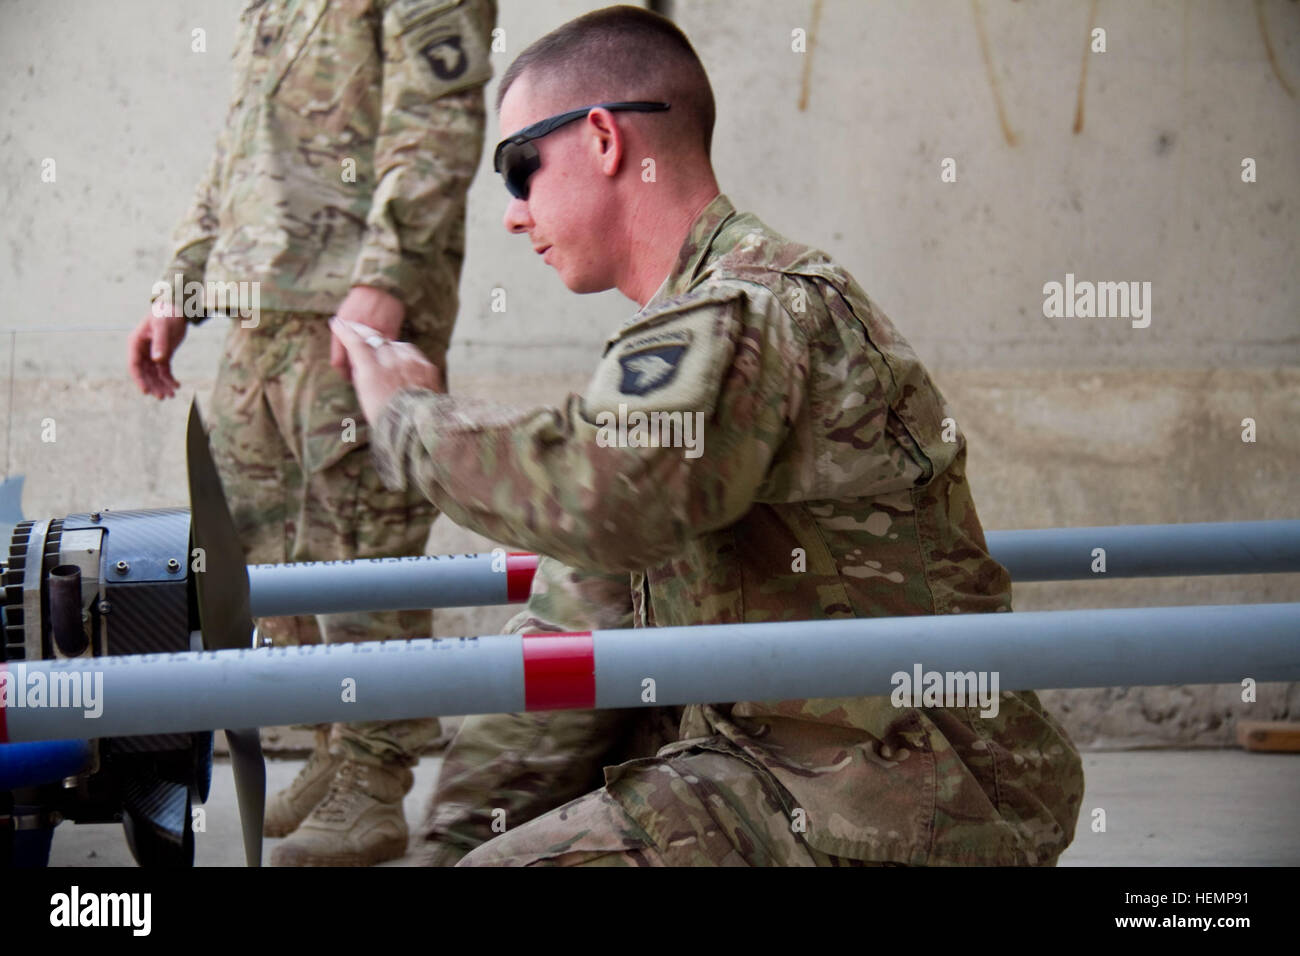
(565, 214)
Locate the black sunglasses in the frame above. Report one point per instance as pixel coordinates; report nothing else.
(516, 158)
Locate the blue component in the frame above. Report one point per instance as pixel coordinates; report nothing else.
(45, 761)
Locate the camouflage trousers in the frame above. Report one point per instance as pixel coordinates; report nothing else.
(502, 770)
(293, 451)
(695, 804)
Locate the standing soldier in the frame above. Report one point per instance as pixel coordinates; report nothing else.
(337, 186)
(823, 488)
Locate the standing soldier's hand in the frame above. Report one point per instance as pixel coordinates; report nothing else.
(383, 368)
(371, 307)
(150, 348)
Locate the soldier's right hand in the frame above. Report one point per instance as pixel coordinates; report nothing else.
(149, 352)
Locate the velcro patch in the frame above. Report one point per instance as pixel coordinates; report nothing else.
(446, 36)
(677, 363)
(409, 13)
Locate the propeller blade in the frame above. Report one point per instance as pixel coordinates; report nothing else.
(250, 788)
(222, 586)
(224, 617)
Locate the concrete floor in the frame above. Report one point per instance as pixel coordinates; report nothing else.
(1163, 808)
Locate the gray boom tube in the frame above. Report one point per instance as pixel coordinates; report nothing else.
(375, 584)
(1050, 554)
(1149, 551)
(838, 658)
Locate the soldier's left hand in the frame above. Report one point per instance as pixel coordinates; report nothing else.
(372, 307)
(380, 370)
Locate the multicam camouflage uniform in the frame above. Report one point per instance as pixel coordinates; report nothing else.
(354, 130)
(502, 770)
(825, 490)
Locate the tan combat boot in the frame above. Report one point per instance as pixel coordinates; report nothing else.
(290, 806)
(359, 823)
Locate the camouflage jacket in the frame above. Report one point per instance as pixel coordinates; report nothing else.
(824, 488)
(354, 130)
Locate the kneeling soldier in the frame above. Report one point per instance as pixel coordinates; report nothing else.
(822, 488)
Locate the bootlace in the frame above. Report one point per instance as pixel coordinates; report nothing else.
(344, 792)
(314, 761)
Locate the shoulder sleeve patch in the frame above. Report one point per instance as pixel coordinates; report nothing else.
(411, 13)
(450, 37)
(668, 362)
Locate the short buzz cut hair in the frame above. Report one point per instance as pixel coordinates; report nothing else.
(622, 53)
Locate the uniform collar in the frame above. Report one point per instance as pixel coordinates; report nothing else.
(693, 254)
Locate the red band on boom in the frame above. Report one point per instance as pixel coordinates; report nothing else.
(559, 671)
(520, 567)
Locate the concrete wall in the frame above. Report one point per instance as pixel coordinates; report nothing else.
(1132, 171)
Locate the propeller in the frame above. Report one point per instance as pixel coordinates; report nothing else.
(224, 617)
